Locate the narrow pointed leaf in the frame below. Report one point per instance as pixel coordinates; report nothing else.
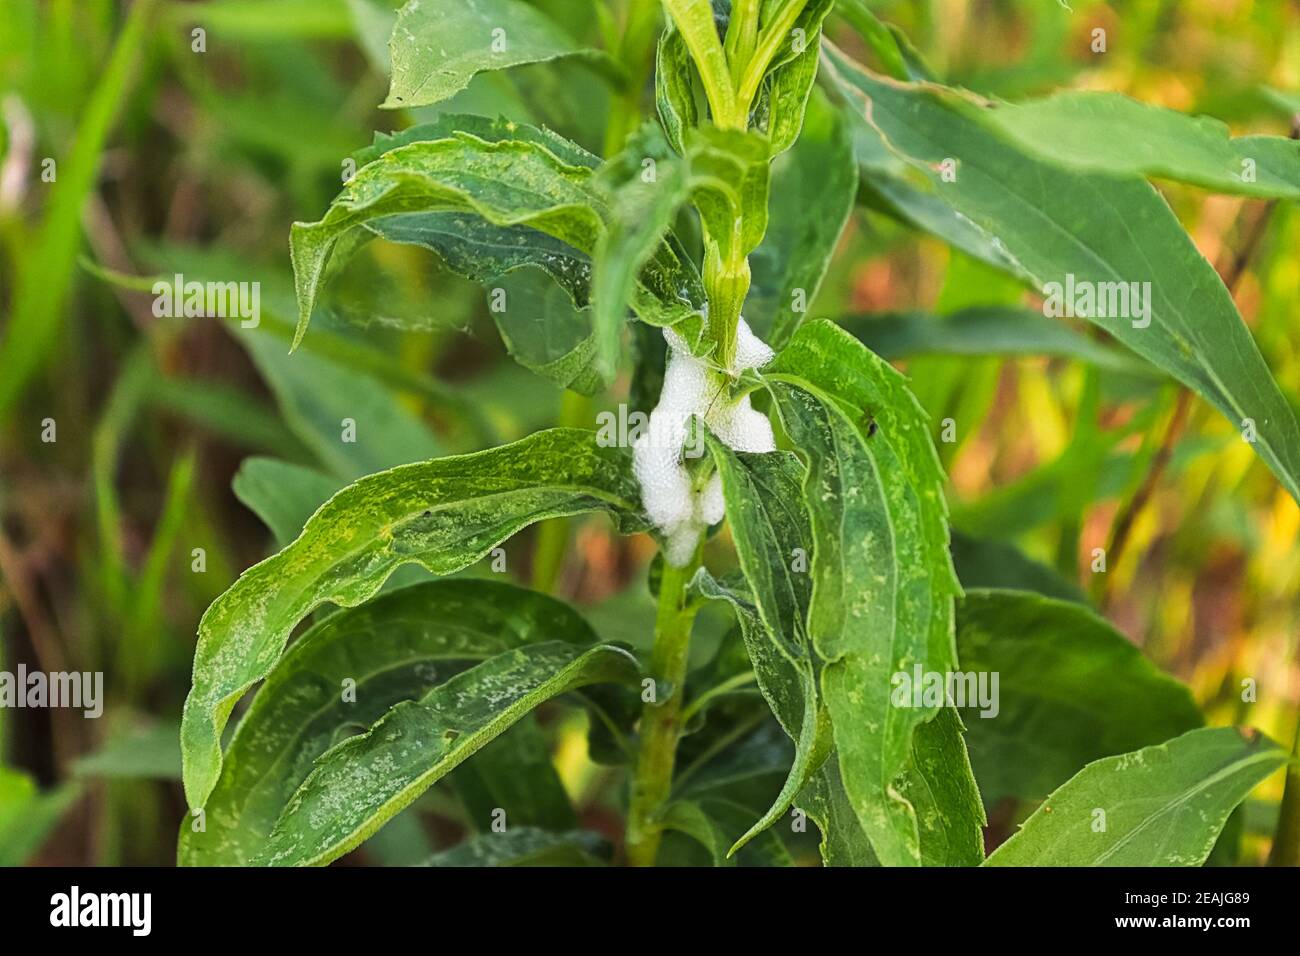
(396, 647)
(442, 515)
(883, 583)
(363, 782)
(1159, 806)
(1111, 133)
(989, 330)
(785, 89)
(674, 92)
(772, 541)
(1102, 229)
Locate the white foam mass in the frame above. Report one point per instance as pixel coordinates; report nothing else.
(679, 510)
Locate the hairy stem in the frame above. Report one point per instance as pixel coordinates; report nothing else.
(661, 719)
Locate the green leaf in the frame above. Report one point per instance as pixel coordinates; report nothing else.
(985, 563)
(940, 785)
(282, 494)
(27, 816)
(937, 781)
(524, 846)
(725, 173)
(674, 92)
(149, 753)
(713, 823)
(544, 331)
(889, 185)
(1163, 805)
(439, 45)
(883, 583)
(1098, 228)
(638, 261)
(394, 648)
(1071, 689)
(729, 174)
(695, 21)
(515, 182)
(482, 252)
(878, 37)
(772, 540)
(355, 787)
(486, 128)
(514, 773)
(647, 185)
(316, 395)
(442, 515)
(813, 189)
(988, 330)
(826, 801)
(1111, 133)
(783, 95)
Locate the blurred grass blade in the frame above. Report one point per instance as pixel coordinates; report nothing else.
(27, 816)
(44, 283)
(988, 330)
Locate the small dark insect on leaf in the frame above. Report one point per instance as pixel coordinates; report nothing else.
(871, 422)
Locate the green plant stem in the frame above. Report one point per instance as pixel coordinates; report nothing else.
(1286, 843)
(694, 20)
(768, 43)
(742, 35)
(727, 284)
(661, 719)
